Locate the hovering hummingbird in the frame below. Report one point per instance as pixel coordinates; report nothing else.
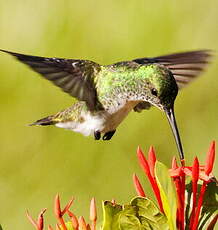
(107, 93)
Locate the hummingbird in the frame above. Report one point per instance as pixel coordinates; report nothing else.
(106, 94)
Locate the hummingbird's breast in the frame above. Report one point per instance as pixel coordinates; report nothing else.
(112, 120)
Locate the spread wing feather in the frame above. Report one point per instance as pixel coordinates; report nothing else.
(75, 77)
(184, 66)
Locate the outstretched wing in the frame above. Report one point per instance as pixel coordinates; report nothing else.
(185, 66)
(75, 77)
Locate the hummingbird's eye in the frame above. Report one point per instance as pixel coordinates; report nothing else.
(154, 91)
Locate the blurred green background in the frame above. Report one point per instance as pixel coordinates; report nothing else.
(36, 163)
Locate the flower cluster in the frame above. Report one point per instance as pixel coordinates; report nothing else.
(186, 196)
(179, 176)
(74, 223)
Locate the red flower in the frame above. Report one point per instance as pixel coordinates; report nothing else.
(179, 174)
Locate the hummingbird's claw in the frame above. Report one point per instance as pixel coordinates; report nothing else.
(108, 135)
(97, 135)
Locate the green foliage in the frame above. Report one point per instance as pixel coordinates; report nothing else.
(111, 215)
(140, 214)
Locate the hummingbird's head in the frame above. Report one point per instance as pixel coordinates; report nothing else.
(161, 87)
(163, 90)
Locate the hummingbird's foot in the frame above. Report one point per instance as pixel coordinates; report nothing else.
(108, 135)
(97, 135)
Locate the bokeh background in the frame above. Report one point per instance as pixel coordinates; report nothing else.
(36, 163)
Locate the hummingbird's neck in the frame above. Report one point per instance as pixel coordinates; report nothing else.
(123, 96)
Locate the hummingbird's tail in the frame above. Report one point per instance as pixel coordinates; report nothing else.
(44, 121)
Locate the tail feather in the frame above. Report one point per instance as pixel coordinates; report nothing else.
(44, 121)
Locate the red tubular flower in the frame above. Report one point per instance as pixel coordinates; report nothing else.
(57, 207)
(146, 167)
(207, 170)
(210, 159)
(143, 161)
(59, 214)
(39, 224)
(138, 187)
(195, 177)
(151, 160)
(200, 202)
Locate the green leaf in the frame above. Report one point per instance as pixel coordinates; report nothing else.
(140, 214)
(111, 215)
(128, 219)
(167, 193)
(149, 214)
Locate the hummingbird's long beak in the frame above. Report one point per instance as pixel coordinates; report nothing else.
(172, 120)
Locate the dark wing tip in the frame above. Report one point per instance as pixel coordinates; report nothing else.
(43, 122)
(23, 57)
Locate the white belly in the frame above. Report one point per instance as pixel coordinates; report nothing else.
(89, 125)
(103, 121)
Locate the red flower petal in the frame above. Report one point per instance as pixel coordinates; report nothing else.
(57, 207)
(41, 219)
(145, 166)
(210, 158)
(138, 187)
(58, 212)
(143, 161)
(195, 170)
(198, 210)
(67, 206)
(151, 160)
